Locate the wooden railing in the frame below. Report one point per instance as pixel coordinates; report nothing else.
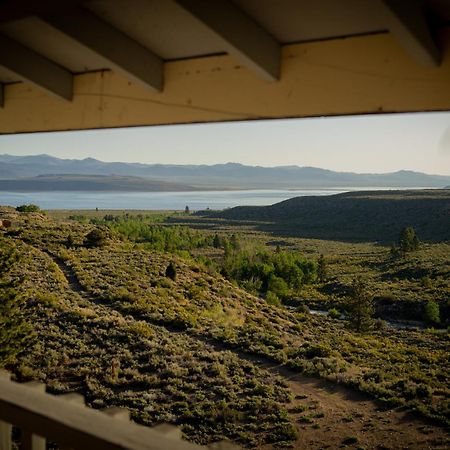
(66, 421)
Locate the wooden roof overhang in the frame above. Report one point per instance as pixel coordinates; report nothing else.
(74, 64)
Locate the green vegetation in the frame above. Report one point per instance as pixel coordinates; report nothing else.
(360, 307)
(28, 208)
(262, 271)
(372, 216)
(432, 315)
(15, 329)
(277, 275)
(191, 314)
(95, 238)
(408, 240)
(171, 271)
(322, 270)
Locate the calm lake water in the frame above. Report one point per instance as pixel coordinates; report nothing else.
(154, 200)
(159, 200)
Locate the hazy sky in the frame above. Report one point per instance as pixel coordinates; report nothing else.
(379, 143)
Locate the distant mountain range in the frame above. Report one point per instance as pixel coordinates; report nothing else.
(24, 169)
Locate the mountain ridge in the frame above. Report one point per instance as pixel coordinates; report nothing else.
(228, 175)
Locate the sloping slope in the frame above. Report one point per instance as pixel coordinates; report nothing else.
(366, 216)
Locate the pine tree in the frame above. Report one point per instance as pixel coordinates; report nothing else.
(360, 307)
(217, 241)
(171, 271)
(235, 243)
(408, 240)
(322, 269)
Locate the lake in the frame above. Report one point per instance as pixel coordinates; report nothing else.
(160, 200)
(154, 200)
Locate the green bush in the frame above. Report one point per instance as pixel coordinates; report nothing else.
(432, 314)
(95, 238)
(272, 299)
(28, 208)
(334, 313)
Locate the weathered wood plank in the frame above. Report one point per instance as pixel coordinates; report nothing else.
(118, 413)
(360, 75)
(65, 424)
(5, 427)
(30, 440)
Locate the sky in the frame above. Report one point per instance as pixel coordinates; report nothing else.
(374, 144)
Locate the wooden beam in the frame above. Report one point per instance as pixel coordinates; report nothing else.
(122, 53)
(5, 427)
(34, 68)
(76, 426)
(406, 21)
(241, 37)
(11, 10)
(2, 95)
(359, 75)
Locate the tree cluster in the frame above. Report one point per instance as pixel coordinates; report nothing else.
(261, 271)
(157, 237)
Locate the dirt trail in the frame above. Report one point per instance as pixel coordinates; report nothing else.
(333, 416)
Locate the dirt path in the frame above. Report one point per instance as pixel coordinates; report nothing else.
(327, 415)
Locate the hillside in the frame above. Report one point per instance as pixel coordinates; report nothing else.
(45, 183)
(358, 216)
(230, 175)
(197, 351)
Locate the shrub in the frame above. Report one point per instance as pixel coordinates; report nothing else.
(350, 440)
(432, 315)
(304, 309)
(334, 313)
(69, 241)
(380, 324)
(171, 271)
(272, 299)
(426, 282)
(95, 238)
(28, 208)
(15, 328)
(278, 286)
(317, 351)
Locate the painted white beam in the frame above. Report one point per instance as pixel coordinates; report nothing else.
(241, 37)
(122, 53)
(35, 69)
(406, 21)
